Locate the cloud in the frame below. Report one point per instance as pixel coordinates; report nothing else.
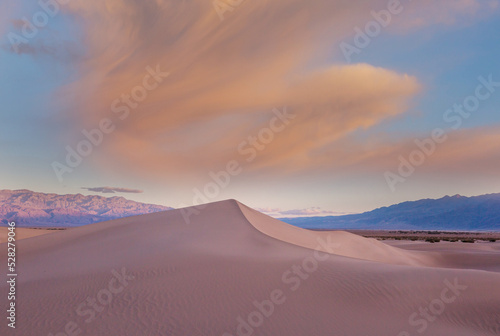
(226, 77)
(307, 212)
(225, 80)
(426, 13)
(464, 153)
(112, 190)
(60, 50)
(9, 10)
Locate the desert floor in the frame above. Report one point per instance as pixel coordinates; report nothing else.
(229, 270)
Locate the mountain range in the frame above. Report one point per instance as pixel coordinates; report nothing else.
(33, 209)
(477, 213)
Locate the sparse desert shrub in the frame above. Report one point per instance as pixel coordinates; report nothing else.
(492, 240)
(433, 240)
(468, 240)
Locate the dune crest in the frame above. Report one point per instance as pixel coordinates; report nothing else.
(338, 242)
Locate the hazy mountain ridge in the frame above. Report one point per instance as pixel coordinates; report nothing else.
(481, 213)
(29, 208)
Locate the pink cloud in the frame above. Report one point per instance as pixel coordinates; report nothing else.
(225, 80)
(307, 212)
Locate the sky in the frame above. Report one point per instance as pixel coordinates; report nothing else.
(322, 107)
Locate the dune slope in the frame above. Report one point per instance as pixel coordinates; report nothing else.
(338, 242)
(22, 233)
(233, 271)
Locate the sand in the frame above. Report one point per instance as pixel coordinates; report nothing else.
(234, 271)
(22, 233)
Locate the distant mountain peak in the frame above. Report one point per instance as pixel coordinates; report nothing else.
(35, 209)
(454, 196)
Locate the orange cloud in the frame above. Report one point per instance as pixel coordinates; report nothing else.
(465, 152)
(225, 79)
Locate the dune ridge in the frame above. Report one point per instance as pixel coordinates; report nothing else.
(339, 242)
(209, 276)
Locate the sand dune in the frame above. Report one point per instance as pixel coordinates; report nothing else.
(338, 242)
(22, 233)
(234, 271)
(480, 255)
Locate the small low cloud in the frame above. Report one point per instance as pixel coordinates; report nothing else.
(64, 51)
(112, 190)
(307, 212)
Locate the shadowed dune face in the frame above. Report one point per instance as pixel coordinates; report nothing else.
(156, 275)
(339, 242)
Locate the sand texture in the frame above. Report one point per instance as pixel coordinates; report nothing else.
(234, 271)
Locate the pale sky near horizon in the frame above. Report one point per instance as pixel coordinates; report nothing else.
(308, 106)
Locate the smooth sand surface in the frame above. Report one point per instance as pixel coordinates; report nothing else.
(22, 233)
(340, 242)
(480, 255)
(208, 277)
